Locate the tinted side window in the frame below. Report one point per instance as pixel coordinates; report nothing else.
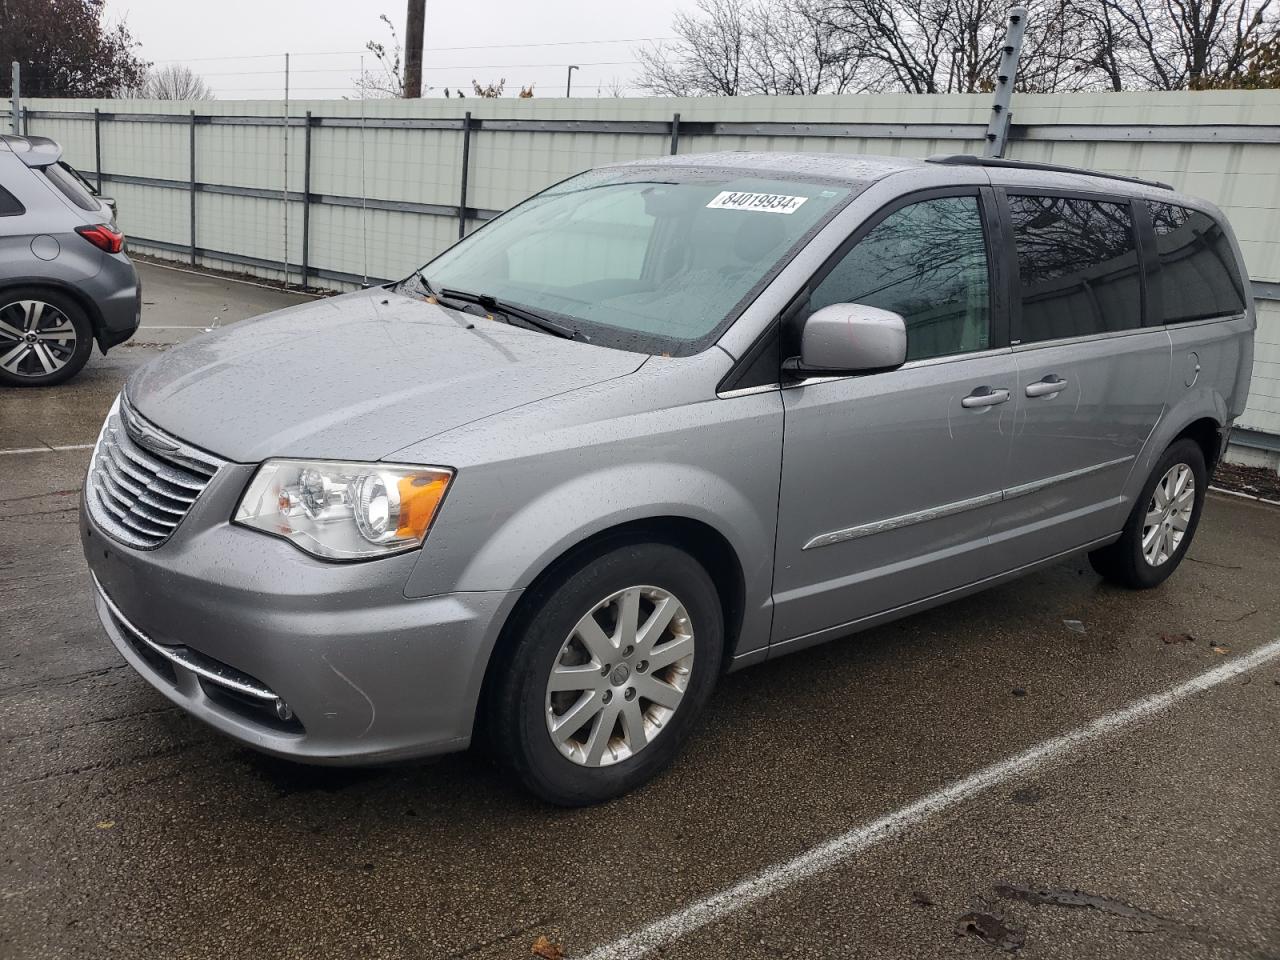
(10, 206)
(928, 262)
(1198, 274)
(1077, 267)
(61, 177)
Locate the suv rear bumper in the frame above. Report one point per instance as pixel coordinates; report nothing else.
(117, 293)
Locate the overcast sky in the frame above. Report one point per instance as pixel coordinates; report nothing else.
(326, 39)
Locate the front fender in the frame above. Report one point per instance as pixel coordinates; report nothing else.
(507, 519)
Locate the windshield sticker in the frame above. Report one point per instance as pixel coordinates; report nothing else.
(758, 202)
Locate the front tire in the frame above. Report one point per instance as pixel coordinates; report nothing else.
(615, 659)
(45, 337)
(1162, 523)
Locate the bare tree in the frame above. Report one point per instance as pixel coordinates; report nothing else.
(732, 47)
(387, 78)
(1179, 44)
(174, 81)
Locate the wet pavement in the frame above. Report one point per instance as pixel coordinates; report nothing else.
(132, 831)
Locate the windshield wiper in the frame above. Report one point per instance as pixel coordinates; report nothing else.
(424, 283)
(509, 310)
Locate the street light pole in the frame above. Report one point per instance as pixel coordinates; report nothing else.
(568, 84)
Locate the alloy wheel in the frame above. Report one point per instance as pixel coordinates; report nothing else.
(619, 676)
(36, 338)
(1168, 514)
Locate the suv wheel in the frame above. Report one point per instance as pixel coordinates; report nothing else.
(1162, 523)
(614, 663)
(45, 337)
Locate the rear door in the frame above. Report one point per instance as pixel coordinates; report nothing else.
(1092, 379)
(890, 480)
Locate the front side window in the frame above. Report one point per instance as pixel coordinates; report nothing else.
(652, 259)
(1199, 278)
(1077, 267)
(927, 262)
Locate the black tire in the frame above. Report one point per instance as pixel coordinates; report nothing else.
(27, 370)
(1123, 562)
(518, 731)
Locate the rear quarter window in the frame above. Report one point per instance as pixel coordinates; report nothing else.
(1077, 267)
(69, 185)
(1199, 277)
(10, 206)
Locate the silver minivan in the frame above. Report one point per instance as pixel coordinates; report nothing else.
(663, 420)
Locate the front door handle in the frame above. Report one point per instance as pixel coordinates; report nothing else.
(985, 397)
(1050, 386)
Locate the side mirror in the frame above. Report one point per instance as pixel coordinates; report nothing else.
(850, 338)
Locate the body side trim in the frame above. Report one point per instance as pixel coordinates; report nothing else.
(957, 506)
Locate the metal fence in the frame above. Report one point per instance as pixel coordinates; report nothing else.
(339, 193)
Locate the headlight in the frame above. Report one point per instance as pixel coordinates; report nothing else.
(344, 511)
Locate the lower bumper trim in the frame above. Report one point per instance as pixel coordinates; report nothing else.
(210, 671)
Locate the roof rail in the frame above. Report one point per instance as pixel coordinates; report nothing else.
(964, 160)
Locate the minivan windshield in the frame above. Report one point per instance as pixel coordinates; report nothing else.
(653, 259)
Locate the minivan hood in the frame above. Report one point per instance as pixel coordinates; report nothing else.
(356, 377)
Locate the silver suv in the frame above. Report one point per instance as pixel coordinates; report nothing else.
(663, 420)
(64, 278)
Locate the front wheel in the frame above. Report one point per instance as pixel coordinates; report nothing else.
(1163, 521)
(616, 658)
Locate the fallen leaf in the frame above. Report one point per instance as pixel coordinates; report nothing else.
(106, 824)
(1177, 637)
(1219, 648)
(544, 948)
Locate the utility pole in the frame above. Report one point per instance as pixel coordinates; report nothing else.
(415, 27)
(568, 84)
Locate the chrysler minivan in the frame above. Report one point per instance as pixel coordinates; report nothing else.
(663, 420)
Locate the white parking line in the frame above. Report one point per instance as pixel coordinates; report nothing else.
(840, 849)
(47, 449)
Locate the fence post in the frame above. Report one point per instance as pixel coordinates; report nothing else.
(306, 199)
(97, 147)
(675, 133)
(998, 127)
(466, 164)
(26, 121)
(191, 186)
(16, 89)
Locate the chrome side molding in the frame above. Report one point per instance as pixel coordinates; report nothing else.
(957, 506)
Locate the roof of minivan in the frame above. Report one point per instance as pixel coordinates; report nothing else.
(861, 168)
(851, 167)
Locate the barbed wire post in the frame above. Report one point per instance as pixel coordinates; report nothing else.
(16, 90)
(284, 191)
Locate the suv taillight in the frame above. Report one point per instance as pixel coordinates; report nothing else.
(103, 236)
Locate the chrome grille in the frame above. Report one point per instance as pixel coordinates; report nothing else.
(142, 481)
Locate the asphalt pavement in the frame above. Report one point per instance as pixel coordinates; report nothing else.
(132, 831)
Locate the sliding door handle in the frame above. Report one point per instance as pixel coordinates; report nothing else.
(1050, 386)
(985, 397)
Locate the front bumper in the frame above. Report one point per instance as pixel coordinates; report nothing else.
(243, 620)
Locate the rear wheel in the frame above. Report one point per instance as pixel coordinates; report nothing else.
(45, 337)
(615, 661)
(1163, 521)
